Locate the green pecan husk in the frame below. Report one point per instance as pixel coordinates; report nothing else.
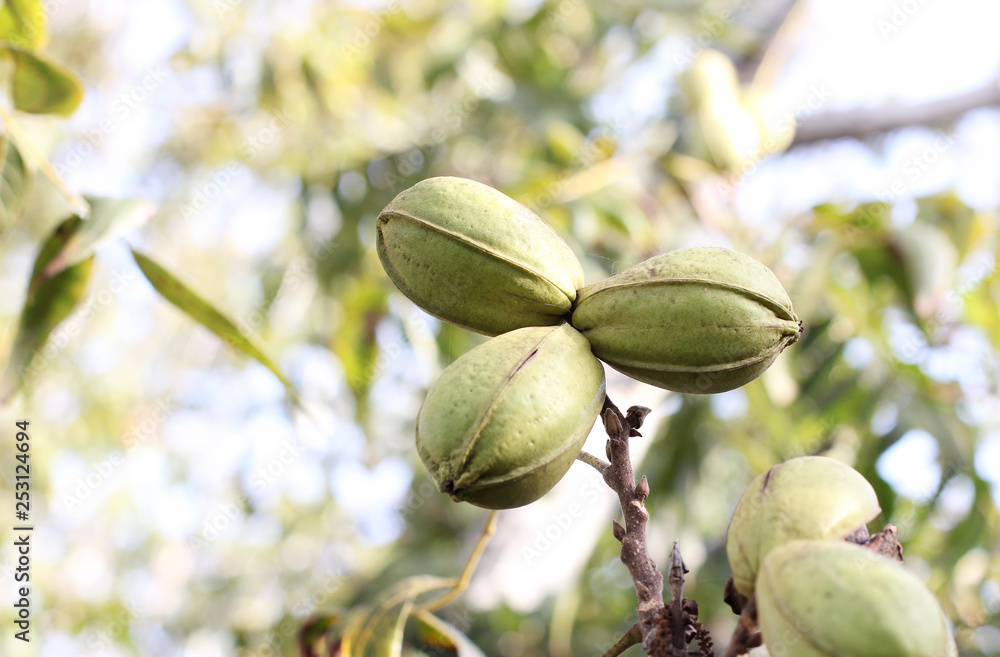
(503, 423)
(700, 320)
(476, 258)
(837, 599)
(810, 497)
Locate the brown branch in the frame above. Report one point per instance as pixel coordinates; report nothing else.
(595, 462)
(677, 625)
(632, 637)
(745, 636)
(734, 598)
(860, 123)
(664, 632)
(886, 543)
(621, 478)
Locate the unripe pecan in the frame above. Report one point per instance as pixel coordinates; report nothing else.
(699, 320)
(476, 258)
(503, 423)
(810, 497)
(837, 599)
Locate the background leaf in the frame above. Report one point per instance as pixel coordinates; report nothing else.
(50, 300)
(109, 218)
(438, 637)
(15, 182)
(378, 630)
(22, 22)
(43, 87)
(205, 314)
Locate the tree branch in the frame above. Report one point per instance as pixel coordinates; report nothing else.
(595, 462)
(461, 583)
(664, 632)
(621, 478)
(632, 637)
(745, 636)
(862, 122)
(677, 572)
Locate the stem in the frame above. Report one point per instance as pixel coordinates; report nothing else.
(621, 478)
(663, 632)
(745, 636)
(677, 624)
(867, 121)
(462, 582)
(77, 204)
(595, 462)
(631, 638)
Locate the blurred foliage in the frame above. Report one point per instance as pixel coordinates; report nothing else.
(196, 534)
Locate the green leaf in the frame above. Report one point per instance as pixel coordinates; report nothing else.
(378, 630)
(441, 638)
(929, 257)
(22, 23)
(50, 300)
(56, 241)
(956, 219)
(15, 179)
(109, 218)
(205, 314)
(354, 343)
(41, 86)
